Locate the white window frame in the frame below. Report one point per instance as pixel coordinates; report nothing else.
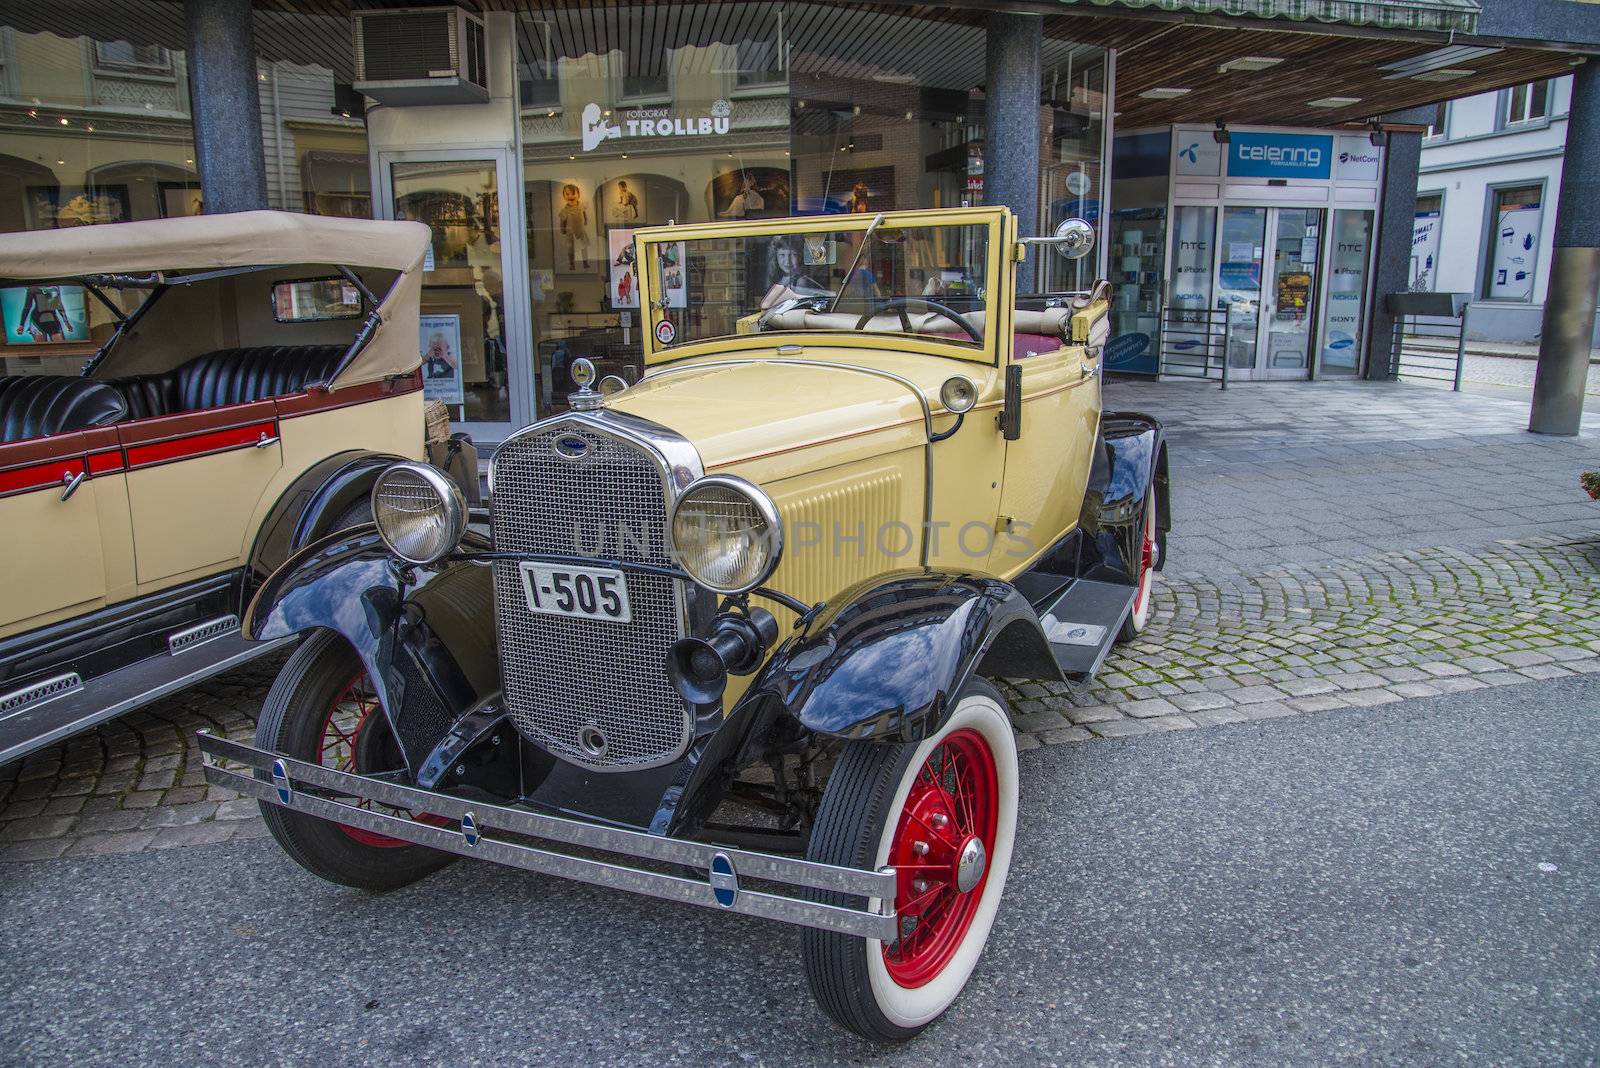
(1512, 122)
(1440, 134)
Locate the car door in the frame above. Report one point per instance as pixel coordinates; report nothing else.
(194, 482)
(1047, 466)
(63, 510)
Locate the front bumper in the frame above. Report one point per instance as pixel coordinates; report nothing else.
(478, 830)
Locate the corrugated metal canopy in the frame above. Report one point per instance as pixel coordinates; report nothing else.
(1440, 16)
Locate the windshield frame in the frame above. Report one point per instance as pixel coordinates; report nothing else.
(996, 303)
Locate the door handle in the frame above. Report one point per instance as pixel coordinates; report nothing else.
(265, 442)
(70, 483)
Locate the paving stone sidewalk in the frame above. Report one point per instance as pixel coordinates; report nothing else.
(1335, 546)
(1337, 635)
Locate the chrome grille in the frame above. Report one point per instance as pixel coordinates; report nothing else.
(568, 678)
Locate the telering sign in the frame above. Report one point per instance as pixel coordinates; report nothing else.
(1280, 155)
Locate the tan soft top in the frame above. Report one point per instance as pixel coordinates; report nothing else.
(243, 239)
(204, 242)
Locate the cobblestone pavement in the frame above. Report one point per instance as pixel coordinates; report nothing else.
(1336, 546)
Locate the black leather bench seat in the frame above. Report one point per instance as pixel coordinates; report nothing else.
(228, 376)
(36, 406)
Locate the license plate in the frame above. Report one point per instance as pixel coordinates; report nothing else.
(585, 592)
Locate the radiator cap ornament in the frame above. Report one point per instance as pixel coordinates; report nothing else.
(585, 399)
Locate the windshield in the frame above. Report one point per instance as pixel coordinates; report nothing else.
(920, 280)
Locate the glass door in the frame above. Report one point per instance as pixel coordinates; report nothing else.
(473, 330)
(1240, 254)
(1289, 304)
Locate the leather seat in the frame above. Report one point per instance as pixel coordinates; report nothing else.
(239, 376)
(36, 406)
(228, 376)
(147, 396)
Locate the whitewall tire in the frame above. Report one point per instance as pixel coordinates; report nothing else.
(943, 812)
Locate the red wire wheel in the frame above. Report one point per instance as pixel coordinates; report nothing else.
(1147, 560)
(940, 848)
(349, 733)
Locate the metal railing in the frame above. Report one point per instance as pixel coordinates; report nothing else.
(1194, 342)
(1430, 336)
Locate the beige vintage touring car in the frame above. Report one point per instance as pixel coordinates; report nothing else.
(256, 372)
(730, 634)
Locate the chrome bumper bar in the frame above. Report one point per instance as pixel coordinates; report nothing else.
(473, 836)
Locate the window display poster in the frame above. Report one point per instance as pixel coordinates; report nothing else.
(576, 225)
(1425, 227)
(1515, 245)
(673, 286)
(1347, 283)
(40, 314)
(624, 269)
(441, 358)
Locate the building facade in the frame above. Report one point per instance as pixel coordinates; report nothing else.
(1486, 190)
(1246, 164)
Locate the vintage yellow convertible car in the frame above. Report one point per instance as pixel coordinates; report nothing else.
(730, 636)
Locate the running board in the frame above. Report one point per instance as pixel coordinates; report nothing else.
(61, 706)
(1082, 624)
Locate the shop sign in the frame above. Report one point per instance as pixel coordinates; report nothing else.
(1516, 241)
(598, 128)
(1357, 160)
(1198, 154)
(1280, 155)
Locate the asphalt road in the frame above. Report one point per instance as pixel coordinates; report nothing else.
(1418, 883)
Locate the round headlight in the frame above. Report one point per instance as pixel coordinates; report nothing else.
(958, 394)
(726, 533)
(420, 512)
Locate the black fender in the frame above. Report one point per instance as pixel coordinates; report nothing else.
(885, 659)
(425, 634)
(307, 510)
(1130, 460)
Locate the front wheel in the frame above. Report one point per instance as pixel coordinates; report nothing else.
(322, 710)
(1144, 592)
(943, 812)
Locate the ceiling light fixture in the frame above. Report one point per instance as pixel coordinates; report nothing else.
(1165, 93)
(1249, 63)
(1333, 102)
(1436, 60)
(1448, 74)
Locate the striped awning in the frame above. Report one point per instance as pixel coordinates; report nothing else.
(1441, 16)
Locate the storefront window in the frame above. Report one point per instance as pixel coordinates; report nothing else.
(1513, 246)
(98, 132)
(462, 334)
(1137, 244)
(1074, 99)
(1426, 227)
(1342, 320)
(701, 112)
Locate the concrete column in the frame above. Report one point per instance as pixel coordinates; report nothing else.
(226, 108)
(1569, 303)
(1392, 268)
(1011, 88)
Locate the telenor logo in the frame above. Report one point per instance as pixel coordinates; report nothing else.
(1192, 153)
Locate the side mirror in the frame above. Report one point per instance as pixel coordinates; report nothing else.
(1073, 239)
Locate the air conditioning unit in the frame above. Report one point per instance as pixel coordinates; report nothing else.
(420, 55)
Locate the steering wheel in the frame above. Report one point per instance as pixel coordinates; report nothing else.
(898, 304)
